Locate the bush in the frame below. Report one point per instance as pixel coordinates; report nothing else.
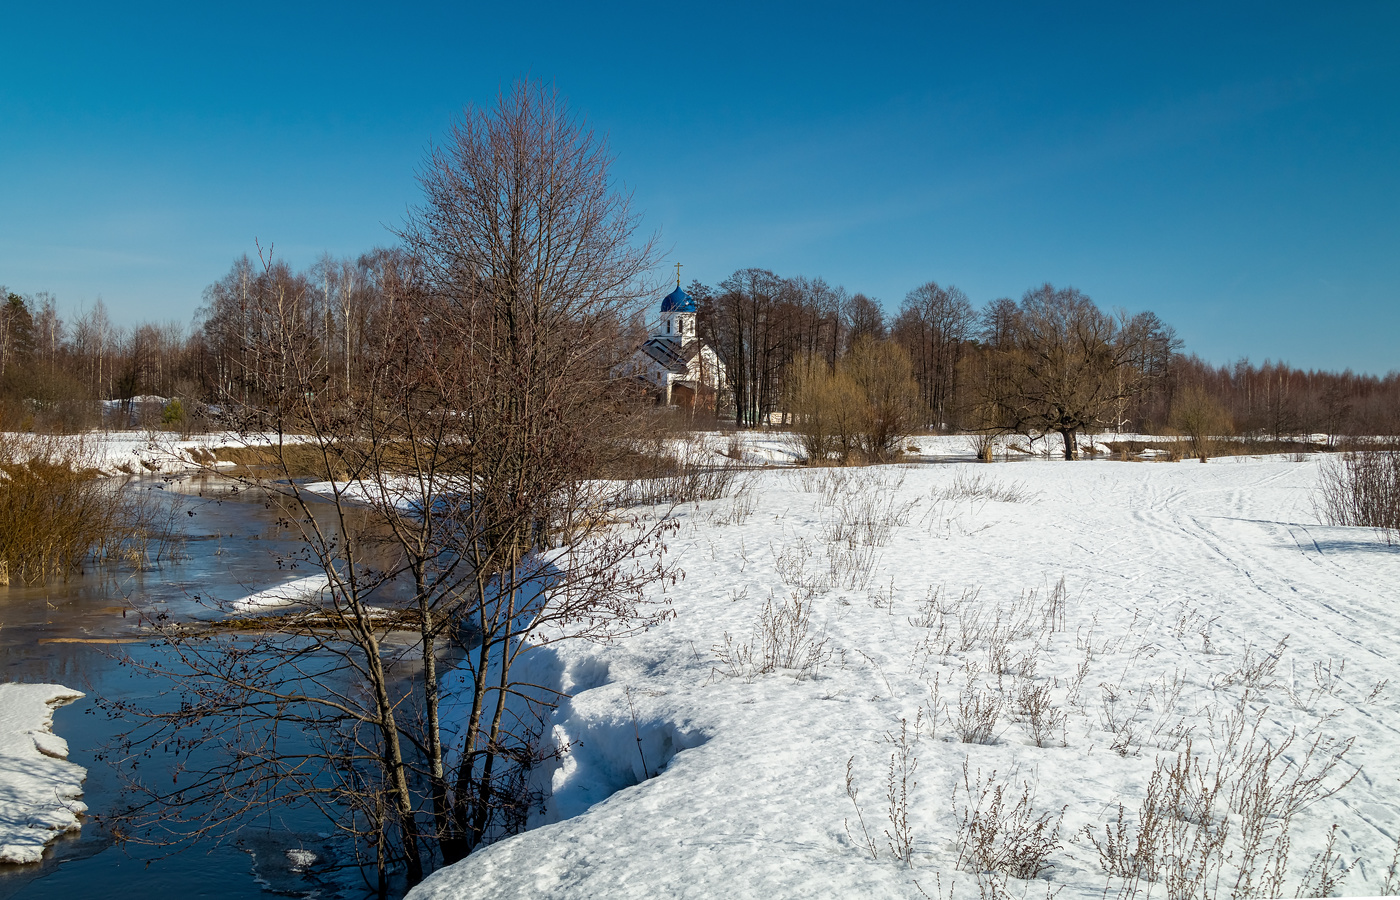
(173, 414)
(1200, 418)
(55, 513)
(863, 410)
(1362, 487)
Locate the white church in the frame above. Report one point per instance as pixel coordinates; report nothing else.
(679, 367)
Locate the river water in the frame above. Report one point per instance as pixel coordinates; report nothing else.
(235, 542)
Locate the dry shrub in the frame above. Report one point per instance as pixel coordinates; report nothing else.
(743, 502)
(1362, 488)
(56, 513)
(967, 486)
(868, 514)
(1179, 837)
(1225, 820)
(851, 568)
(978, 711)
(1035, 706)
(984, 445)
(999, 837)
(783, 639)
(678, 474)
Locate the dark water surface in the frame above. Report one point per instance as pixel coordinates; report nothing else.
(236, 542)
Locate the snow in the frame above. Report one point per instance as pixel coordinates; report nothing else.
(39, 788)
(145, 452)
(292, 593)
(1198, 601)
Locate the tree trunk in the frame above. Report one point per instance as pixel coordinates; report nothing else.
(1071, 444)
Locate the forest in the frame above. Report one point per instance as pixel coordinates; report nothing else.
(62, 374)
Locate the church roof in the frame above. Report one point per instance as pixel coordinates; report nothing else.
(669, 354)
(678, 301)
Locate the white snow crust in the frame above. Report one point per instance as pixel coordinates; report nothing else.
(292, 593)
(39, 788)
(147, 452)
(681, 780)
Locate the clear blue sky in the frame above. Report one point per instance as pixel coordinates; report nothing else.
(1233, 167)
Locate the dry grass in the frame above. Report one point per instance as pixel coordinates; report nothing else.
(56, 514)
(783, 640)
(288, 461)
(967, 486)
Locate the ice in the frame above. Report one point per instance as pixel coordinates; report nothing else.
(39, 788)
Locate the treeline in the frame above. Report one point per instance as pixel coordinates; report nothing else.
(62, 375)
(972, 369)
(962, 358)
(1277, 401)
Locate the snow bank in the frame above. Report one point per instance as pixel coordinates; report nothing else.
(150, 452)
(38, 786)
(292, 593)
(1196, 599)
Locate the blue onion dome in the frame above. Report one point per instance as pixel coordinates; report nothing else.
(678, 301)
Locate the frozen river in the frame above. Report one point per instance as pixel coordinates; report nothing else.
(71, 633)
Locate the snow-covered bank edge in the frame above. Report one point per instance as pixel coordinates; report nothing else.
(116, 453)
(39, 787)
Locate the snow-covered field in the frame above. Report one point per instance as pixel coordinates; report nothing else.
(39, 788)
(955, 653)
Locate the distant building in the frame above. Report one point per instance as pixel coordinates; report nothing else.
(674, 362)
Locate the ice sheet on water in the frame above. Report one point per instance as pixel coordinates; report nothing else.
(39, 787)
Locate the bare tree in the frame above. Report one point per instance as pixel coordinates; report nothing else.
(865, 320)
(934, 325)
(749, 322)
(462, 513)
(1063, 363)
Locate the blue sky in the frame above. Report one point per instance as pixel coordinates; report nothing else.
(1232, 167)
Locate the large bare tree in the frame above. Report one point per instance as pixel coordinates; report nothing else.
(934, 325)
(463, 517)
(1061, 364)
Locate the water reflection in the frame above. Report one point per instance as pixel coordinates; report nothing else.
(235, 542)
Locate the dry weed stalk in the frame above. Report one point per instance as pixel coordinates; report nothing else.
(1034, 704)
(1256, 673)
(869, 512)
(1326, 872)
(898, 783)
(1179, 839)
(851, 568)
(783, 639)
(996, 836)
(682, 473)
(742, 504)
(1392, 873)
(978, 711)
(866, 843)
(793, 565)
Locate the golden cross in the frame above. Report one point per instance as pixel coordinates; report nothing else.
(678, 274)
